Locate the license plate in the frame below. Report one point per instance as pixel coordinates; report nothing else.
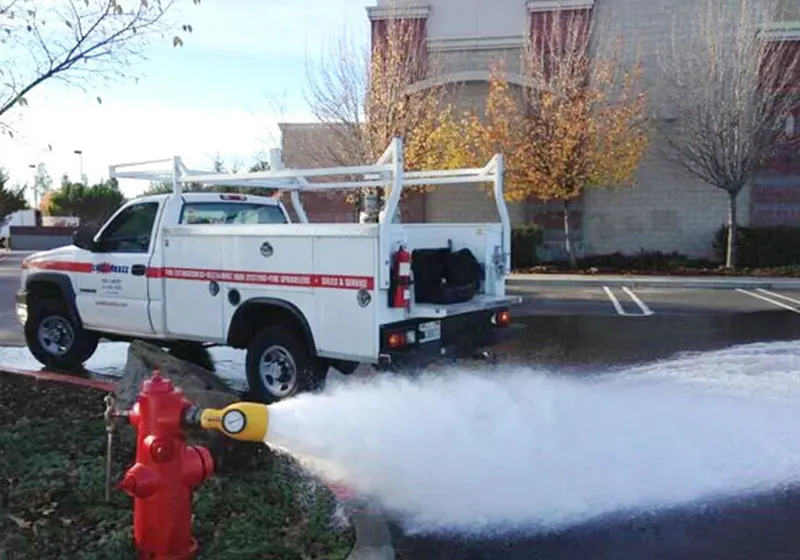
(430, 331)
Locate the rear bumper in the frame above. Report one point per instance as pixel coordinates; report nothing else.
(462, 335)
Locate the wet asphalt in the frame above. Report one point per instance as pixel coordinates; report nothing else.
(578, 331)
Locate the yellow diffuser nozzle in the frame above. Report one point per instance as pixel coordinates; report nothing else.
(243, 421)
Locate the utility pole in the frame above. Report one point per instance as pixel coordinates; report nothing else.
(79, 153)
(35, 186)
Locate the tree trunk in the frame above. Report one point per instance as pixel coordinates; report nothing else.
(573, 263)
(730, 260)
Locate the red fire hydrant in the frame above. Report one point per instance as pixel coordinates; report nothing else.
(165, 474)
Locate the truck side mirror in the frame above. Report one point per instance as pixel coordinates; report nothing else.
(84, 239)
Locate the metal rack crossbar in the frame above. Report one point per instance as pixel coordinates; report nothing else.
(388, 171)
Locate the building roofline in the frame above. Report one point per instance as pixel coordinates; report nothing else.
(410, 11)
(781, 30)
(554, 5)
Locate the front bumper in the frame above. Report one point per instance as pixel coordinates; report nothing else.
(21, 307)
(464, 335)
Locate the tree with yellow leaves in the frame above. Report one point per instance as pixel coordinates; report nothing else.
(578, 122)
(364, 97)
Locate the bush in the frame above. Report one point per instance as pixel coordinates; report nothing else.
(761, 247)
(653, 261)
(525, 240)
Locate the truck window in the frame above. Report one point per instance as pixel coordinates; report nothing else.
(231, 213)
(130, 230)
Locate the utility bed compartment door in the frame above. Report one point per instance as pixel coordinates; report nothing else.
(193, 287)
(270, 267)
(347, 297)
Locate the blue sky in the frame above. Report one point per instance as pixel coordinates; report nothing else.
(241, 70)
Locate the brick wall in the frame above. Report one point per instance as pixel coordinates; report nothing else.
(665, 210)
(788, 9)
(36, 238)
(304, 146)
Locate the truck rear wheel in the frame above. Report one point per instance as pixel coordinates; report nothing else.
(54, 338)
(279, 366)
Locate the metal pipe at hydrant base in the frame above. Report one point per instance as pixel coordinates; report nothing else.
(242, 421)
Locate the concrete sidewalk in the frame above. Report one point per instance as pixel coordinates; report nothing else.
(690, 282)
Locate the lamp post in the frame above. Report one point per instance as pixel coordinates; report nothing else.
(35, 187)
(79, 153)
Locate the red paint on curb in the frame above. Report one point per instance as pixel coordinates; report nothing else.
(62, 378)
(340, 490)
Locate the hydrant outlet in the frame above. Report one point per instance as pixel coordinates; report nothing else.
(140, 481)
(198, 465)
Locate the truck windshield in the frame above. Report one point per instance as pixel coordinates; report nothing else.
(231, 213)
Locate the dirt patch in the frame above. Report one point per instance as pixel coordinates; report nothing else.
(260, 504)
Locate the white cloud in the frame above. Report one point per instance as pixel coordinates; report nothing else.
(117, 132)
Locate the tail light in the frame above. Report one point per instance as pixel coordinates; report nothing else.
(398, 339)
(501, 318)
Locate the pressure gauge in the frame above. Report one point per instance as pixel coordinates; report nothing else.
(234, 421)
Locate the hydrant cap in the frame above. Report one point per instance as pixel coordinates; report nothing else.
(157, 384)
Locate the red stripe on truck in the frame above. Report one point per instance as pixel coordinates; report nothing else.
(270, 278)
(65, 266)
(334, 281)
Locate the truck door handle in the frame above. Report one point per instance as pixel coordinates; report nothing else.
(138, 269)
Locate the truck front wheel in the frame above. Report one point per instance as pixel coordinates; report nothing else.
(54, 338)
(279, 366)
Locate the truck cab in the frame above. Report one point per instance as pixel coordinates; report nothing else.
(233, 269)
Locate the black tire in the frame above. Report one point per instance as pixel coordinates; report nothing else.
(76, 344)
(301, 372)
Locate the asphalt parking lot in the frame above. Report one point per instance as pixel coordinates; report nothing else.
(10, 331)
(648, 302)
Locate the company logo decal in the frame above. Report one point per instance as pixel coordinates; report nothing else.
(108, 268)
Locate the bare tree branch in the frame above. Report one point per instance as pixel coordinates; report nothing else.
(727, 89)
(363, 97)
(74, 40)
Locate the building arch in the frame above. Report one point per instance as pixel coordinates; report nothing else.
(466, 76)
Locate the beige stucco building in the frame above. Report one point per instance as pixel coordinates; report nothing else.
(665, 210)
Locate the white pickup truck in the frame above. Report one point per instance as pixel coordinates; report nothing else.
(229, 269)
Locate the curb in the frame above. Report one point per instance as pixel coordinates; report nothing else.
(373, 541)
(62, 378)
(691, 282)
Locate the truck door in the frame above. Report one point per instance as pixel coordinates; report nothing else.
(114, 296)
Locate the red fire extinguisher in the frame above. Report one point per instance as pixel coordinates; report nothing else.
(401, 293)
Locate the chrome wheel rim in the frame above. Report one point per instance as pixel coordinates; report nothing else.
(56, 335)
(278, 371)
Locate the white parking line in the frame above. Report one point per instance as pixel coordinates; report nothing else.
(779, 296)
(769, 300)
(614, 301)
(646, 311)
